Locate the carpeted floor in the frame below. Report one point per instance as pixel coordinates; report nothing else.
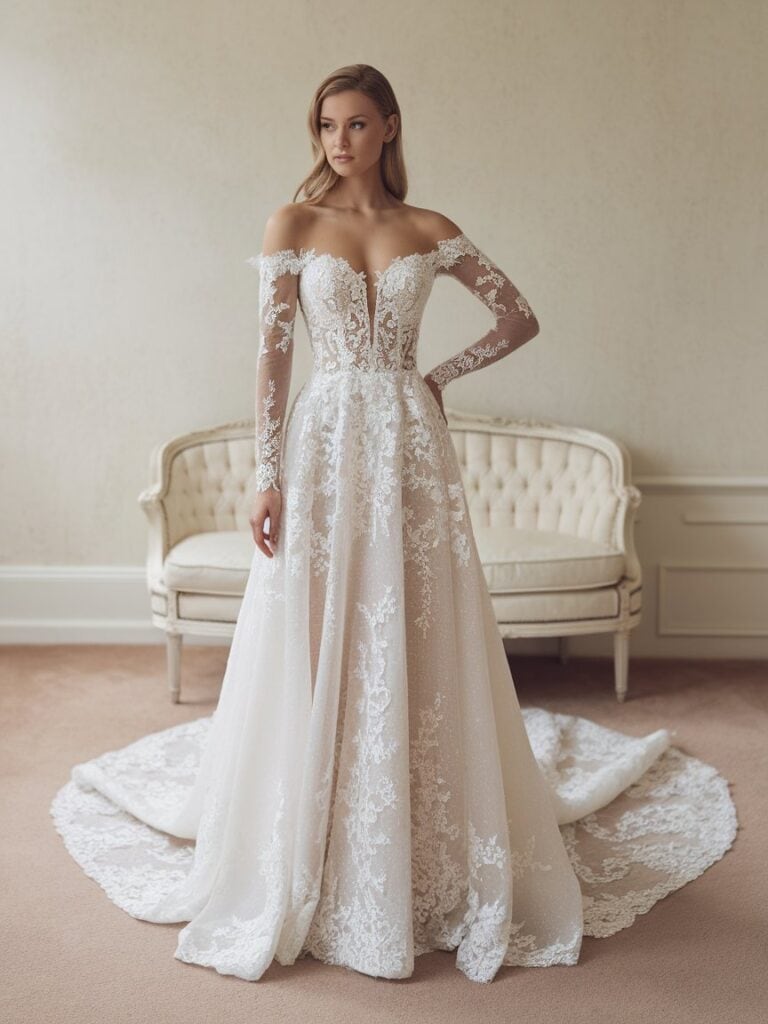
(69, 955)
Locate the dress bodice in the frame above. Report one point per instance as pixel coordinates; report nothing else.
(347, 334)
(344, 330)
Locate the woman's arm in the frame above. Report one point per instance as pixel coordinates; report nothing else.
(514, 320)
(279, 266)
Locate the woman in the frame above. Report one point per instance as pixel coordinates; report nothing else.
(366, 789)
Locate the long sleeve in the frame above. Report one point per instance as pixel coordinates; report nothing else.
(515, 322)
(278, 299)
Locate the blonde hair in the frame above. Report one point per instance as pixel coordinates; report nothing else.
(371, 82)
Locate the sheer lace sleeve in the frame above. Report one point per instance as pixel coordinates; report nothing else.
(278, 298)
(515, 322)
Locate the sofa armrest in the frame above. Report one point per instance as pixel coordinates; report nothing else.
(630, 502)
(152, 503)
(200, 483)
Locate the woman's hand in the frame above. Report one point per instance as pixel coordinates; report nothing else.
(267, 503)
(438, 394)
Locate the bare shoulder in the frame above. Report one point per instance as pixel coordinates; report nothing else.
(285, 227)
(436, 226)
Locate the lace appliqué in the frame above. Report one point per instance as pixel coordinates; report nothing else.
(269, 441)
(514, 324)
(234, 948)
(628, 856)
(353, 922)
(367, 454)
(661, 833)
(278, 296)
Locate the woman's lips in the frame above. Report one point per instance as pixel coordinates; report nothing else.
(342, 159)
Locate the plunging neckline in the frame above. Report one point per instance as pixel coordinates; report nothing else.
(363, 276)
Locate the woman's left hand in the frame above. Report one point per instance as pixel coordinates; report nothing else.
(438, 395)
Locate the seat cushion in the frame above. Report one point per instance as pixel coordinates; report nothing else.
(514, 560)
(217, 562)
(517, 560)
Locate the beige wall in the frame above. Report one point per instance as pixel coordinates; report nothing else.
(609, 155)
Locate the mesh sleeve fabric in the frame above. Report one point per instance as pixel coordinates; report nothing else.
(278, 300)
(515, 322)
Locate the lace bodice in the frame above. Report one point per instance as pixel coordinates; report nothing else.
(347, 334)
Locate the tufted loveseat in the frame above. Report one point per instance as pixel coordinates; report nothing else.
(552, 510)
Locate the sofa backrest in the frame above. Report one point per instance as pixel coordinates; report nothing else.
(536, 474)
(523, 473)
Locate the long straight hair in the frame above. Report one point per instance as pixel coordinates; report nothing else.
(371, 82)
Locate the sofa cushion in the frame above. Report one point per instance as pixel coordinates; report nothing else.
(217, 562)
(515, 560)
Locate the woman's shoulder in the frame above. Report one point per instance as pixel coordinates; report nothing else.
(435, 225)
(285, 227)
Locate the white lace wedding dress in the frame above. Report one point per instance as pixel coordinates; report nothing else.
(368, 788)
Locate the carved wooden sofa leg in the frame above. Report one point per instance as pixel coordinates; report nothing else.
(173, 649)
(621, 662)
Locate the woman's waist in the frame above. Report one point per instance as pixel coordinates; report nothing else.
(324, 372)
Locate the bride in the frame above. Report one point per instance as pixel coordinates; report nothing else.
(368, 788)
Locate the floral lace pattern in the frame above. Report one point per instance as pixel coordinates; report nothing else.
(277, 316)
(354, 921)
(514, 320)
(663, 830)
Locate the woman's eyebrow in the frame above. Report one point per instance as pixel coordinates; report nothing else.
(354, 117)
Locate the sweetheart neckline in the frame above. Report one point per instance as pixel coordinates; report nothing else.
(312, 253)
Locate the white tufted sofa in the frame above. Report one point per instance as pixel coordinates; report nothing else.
(552, 510)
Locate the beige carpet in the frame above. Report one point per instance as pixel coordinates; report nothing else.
(69, 954)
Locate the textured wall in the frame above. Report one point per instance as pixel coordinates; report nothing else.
(609, 155)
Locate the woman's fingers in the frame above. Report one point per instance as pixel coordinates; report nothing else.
(274, 526)
(437, 394)
(259, 536)
(266, 507)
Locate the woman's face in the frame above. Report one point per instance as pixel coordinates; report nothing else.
(350, 124)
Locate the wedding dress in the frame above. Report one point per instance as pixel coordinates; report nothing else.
(368, 788)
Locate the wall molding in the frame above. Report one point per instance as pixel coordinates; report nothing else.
(731, 519)
(682, 484)
(665, 624)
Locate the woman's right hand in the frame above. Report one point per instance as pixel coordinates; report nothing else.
(267, 503)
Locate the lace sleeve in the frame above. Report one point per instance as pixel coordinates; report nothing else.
(278, 298)
(515, 322)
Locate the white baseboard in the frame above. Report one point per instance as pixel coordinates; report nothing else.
(78, 604)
